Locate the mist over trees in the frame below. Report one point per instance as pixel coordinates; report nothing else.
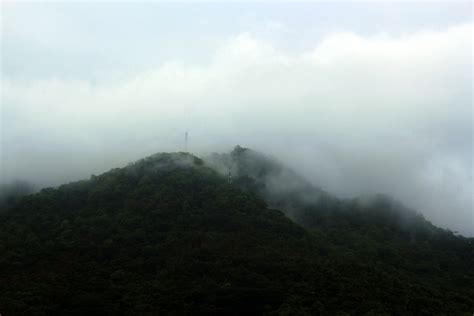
(170, 234)
(11, 191)
(357, 110)
(121, 191)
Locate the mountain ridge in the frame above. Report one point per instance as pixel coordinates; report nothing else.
(169, 234)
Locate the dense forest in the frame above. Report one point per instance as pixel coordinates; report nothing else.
(234, 233)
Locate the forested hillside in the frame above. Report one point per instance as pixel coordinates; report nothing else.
(170, 235)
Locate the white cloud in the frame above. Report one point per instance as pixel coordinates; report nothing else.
(355, 114)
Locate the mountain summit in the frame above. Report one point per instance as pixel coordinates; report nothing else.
(170, 234)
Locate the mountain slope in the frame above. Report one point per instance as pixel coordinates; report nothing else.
(170, 235)
(163, 234)
(312, 207)
(375, 230)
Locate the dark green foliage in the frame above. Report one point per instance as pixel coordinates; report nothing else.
(168, 235)
(372, 232)
(163, 234)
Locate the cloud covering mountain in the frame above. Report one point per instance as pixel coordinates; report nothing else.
(355, 113)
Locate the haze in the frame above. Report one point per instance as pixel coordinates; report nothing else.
(359, 98)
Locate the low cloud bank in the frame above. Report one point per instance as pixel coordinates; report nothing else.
(355, 115)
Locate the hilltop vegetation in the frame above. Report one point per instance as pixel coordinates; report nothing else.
(168, 234)
(374, 230)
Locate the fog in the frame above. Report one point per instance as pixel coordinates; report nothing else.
(354, 113)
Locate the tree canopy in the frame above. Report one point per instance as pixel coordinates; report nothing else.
(168, 234)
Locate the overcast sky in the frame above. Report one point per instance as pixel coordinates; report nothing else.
(360, 98)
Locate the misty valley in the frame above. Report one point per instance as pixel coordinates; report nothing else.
(231, 233)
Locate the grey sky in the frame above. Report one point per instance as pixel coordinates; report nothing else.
(361, 98)
(90, 40)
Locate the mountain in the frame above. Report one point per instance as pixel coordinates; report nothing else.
(174, 234)
(370, 229)
(312, 207)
